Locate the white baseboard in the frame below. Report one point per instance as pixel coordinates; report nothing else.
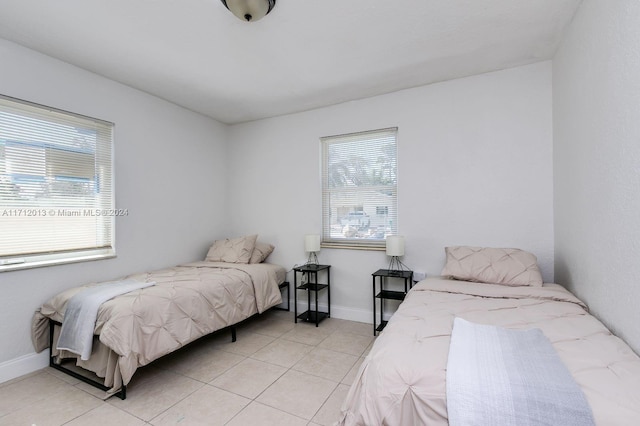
(23, 365)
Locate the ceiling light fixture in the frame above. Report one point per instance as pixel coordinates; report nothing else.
(249, 10)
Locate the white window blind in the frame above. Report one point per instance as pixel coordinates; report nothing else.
(359, 188)
(56, 193)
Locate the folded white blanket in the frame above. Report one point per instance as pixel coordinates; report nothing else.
(500, 377)
(76, 334)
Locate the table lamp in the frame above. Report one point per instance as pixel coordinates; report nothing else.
(312, 246)
(395, 249)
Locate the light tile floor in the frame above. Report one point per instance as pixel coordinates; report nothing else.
(276, 373)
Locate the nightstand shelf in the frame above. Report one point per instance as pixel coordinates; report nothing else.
(312, 316)
(381, 326)
(383, 276)
(310, 271)
(312, 286)
(388, 294)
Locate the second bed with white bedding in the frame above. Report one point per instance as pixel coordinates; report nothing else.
(402, 380)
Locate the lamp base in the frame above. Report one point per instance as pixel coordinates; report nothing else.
(313, 258)
(396, 267)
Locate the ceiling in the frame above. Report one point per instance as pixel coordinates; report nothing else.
(303, 55)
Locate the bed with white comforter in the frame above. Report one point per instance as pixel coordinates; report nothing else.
(185, 303)
(402, 380)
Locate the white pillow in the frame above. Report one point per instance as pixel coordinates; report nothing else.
(506, 266)
(237, 250)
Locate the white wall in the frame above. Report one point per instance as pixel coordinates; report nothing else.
(170, 173)
(475, 168)
(596, 114)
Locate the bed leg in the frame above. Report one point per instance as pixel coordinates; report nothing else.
(233, 334)
(51, 325)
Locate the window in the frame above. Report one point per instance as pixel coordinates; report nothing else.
(56, 196)
(359, 189)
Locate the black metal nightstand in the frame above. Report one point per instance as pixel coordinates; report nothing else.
(312, 285)
(384, 275)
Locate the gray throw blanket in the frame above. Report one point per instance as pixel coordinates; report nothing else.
(76, 334)
(500, 377)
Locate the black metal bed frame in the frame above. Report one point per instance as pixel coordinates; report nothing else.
(122, 393)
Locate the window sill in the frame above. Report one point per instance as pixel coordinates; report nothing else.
(29, 264)
(351, 246)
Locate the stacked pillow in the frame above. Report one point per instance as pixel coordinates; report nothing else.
(505, 266)
(239, 250)
(260, 252)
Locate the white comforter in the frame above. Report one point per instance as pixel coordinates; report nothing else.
(402, 380)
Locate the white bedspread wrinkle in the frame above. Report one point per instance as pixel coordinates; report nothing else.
(76, 334)
(502, 377)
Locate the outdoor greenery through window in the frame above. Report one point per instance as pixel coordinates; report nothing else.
(56, 195)
(359, 188)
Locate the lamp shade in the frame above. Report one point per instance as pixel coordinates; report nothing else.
(312, 242)
(395, 245)
(249, 10)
